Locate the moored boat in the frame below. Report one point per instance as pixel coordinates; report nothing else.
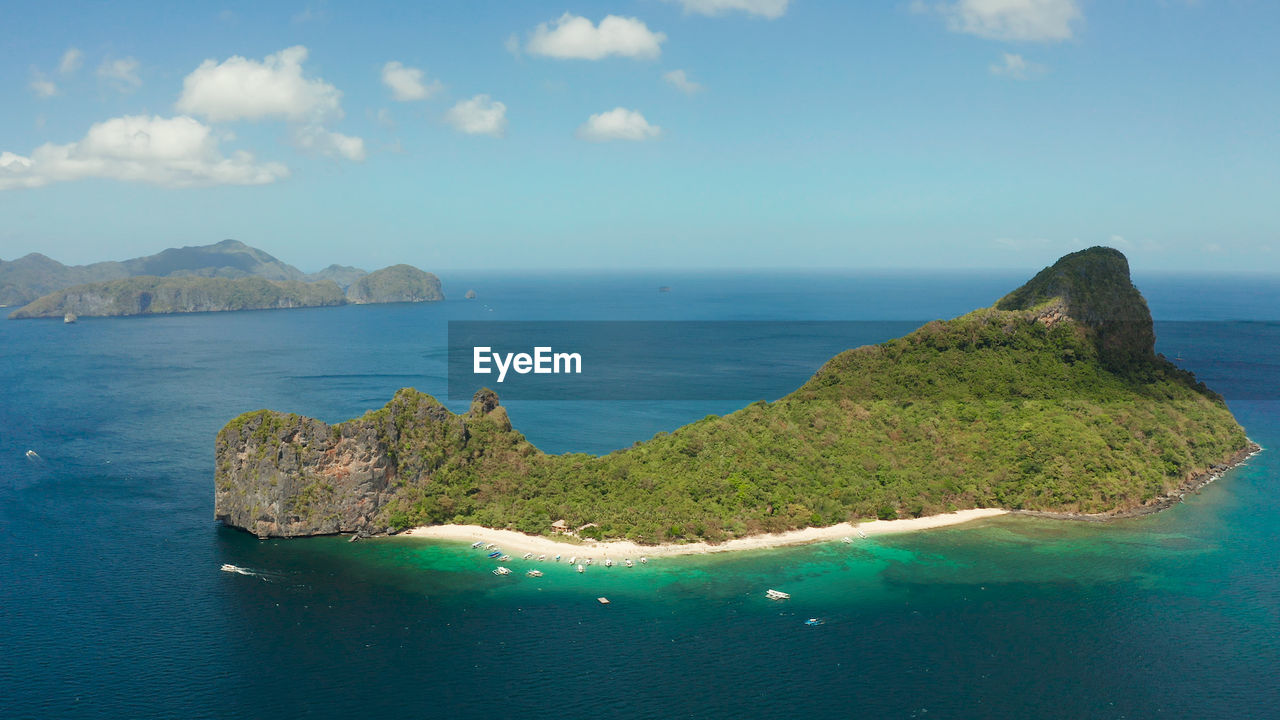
(776, 594)
(581, 569)
(502, 571)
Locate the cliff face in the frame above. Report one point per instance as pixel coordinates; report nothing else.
(1093, 287)
(155, 295)
(284, 475)
(1050, 401)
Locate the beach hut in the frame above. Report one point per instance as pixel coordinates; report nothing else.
(559, 526)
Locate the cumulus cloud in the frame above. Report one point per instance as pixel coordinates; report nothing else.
(177, 152)
(481, 115)
(122, 73)
(679, 80)
(71, 61)
(334, 144)
(1016, 67)
(575, 37)
(242, 89)
(617, 124)
(771, 9)
(408, 83)
(1014, 20)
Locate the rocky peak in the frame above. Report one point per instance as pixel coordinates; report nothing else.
(1093, 288)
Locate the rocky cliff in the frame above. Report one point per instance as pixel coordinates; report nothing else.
(156, 295)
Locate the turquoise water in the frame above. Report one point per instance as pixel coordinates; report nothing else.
(113, 605)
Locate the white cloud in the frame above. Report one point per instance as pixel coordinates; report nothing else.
(41, 85)
(121, 73)
(176, 152)
(771, 9)
(617, 124)
(406, 83)
(1016, 67)
(1015, 20)
(71, 61)
(480, 115)
(334, 144)
(679, 79)
(574, 37)
(242, 89)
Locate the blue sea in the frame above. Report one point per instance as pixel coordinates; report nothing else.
(113, 604)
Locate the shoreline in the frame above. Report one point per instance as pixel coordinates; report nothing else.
(1163, 502)
(517, 542)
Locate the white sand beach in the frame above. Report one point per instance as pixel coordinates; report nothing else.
(517, 542)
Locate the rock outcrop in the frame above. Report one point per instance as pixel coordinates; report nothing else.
(398, 283)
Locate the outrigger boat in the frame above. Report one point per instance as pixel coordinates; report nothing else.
(495, 554)
(502, 571)
(776, 594)
(477, 544)
(628, 563)
(581, 569)
(534, 573)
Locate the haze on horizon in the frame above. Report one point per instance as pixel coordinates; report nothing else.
(653, 133)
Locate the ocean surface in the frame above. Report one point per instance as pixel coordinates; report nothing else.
(113, 604)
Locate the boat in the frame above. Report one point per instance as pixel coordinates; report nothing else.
(491, 546)
(32, 454)
(534, 573)
(541, 558)
(813, 622)
(644, 560)
(628, 563)
(228, 567)
(504, 558)
(69, 318)
(528, 555)
(581, 569)
(602, 600)
(861, 534)
(495, 554)
(573, 559)
(502, 571)
(477, 544)
(557, 558)
(776, 594)
(608, 562)
(588, 561)
(846, 540)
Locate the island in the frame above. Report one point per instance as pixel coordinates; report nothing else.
(1053, 400)
(228, 275)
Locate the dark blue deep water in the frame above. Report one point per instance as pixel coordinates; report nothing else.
(112, 603)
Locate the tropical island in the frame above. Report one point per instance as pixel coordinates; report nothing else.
(228, 275)
(1053, 400)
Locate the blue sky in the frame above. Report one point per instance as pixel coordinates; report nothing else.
(511, 135)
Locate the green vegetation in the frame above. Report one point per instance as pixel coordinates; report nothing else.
(150, 295)
(398, 283)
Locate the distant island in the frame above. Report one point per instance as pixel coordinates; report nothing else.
(1053, 400)
(228, 275)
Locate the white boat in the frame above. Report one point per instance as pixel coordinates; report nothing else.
(861, 534)
(32, 454)
(557, 558)
(608, 562)
(644, 560)
(504, 558)
(228, 567)
(534, 573)
(573, 559)
(69, 318)
(602, 600)
(846, 540)
(628, 563)
(581, 569)
(588, 561)
(776, 594)
(541, 558)
(502, 571)
(491, 546)
(477, 544)
(528, 555)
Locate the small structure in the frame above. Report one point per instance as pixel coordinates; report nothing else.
(559, 527)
